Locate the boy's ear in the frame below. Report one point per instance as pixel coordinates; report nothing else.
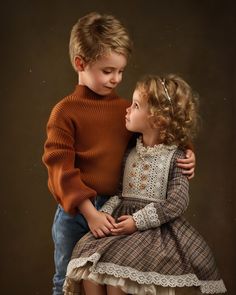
(79, 63)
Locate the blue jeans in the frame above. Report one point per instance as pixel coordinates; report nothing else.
(66, 231)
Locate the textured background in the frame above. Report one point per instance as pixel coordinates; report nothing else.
(195, 39)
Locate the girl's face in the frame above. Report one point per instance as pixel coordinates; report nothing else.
(137, 117)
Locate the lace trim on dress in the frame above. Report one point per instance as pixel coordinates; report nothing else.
(187, 280)
(146, 171)
(110, 205)
(152, 151)
(146, 218)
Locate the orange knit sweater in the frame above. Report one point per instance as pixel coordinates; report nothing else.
(86, 141)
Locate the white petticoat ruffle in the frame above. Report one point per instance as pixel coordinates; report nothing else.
(133, 281)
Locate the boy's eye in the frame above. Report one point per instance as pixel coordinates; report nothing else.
(106, 71)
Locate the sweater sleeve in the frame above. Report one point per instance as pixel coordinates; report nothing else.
(175, 204)
(64, 179)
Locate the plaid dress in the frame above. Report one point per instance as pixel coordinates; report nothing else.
(165, 251)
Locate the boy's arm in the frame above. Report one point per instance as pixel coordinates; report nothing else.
(100, 223)
(176, 202)
(64, 179)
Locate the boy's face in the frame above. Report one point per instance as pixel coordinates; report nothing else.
(103, 75)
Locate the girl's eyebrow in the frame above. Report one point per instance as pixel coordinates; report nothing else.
(137, 101)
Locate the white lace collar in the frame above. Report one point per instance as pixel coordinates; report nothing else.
(154, 150)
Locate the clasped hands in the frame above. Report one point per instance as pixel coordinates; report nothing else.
(103, 224)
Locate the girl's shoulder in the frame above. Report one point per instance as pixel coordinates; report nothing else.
(179, 153)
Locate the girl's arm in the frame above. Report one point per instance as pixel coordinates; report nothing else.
(110, 205)
(176, 202)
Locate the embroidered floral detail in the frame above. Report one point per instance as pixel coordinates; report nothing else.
(150, 166)
(146, 218)
(110, 205)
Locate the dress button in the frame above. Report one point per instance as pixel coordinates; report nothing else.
(130, 185)
(142, 186)
(144, 177)
(134, 165)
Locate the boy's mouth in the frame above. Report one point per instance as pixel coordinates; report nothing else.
(110, 88)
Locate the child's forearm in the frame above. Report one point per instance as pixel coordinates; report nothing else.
(87, 209)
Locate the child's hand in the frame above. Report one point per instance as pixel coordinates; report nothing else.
(188, 164)
(125, 226)
(101, 224)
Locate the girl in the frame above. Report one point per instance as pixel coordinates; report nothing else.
(152, 249)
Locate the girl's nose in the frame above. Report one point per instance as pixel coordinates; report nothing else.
(128, 110)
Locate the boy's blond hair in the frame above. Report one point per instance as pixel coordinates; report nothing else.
(94, 35)
(175, 106)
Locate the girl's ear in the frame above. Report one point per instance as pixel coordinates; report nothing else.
(154, 121)
(79, 63)
(158, 122)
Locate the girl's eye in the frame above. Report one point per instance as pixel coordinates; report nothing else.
(135, 105)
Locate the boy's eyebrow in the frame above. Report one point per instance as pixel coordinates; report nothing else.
(112, 68)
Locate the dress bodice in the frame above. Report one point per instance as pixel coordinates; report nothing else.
(146, 171)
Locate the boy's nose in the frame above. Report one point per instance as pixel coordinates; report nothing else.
(116, 78)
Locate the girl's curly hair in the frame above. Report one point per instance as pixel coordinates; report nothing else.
(175, 107)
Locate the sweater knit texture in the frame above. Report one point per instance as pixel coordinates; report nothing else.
(86, 141)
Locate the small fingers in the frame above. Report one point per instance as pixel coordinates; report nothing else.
(111, 221)
(188, 172)
(123, 217)
(191, 176)
(94, 233)
(106, 230)
(100, 233)
(185, 165)
(117, 231)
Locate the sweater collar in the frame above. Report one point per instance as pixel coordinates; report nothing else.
(84, 91)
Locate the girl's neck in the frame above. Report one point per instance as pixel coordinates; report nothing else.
(150, 139)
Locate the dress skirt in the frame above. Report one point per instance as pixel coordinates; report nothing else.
(171, 255)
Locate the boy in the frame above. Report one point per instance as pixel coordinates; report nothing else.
(87, 138)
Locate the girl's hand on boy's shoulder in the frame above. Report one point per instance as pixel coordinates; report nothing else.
(188, 164)
(125, 226)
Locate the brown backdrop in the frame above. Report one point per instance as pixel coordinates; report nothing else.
(195, 39)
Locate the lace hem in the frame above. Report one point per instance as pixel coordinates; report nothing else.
(110, 205)
(146, 218)
(143, 278)
(72, 288)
